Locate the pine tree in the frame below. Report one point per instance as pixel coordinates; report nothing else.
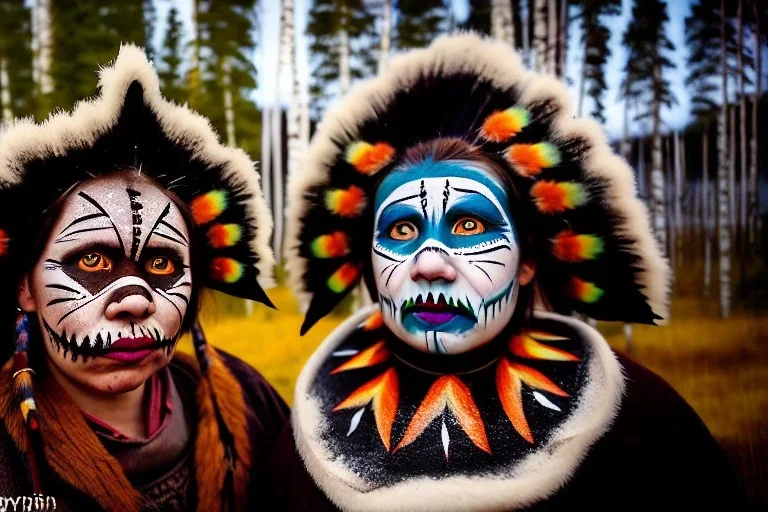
(595, 36)
(16, 60)
(647, 45)
(171, 80)
(419, 22)
(101, 27)
(340, 34)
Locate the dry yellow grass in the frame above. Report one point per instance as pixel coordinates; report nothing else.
(719, 366)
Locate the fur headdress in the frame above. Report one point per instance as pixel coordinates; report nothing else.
(597, 254)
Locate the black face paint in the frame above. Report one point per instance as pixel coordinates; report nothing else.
(136, 219)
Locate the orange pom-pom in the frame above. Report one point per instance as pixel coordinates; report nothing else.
(226, 270)
(369, 158)
(504, 124)
(330, 246)
(208, 206)
(224, 235)
(556, 197)
(348, 202)
(530, 159)
(570, 247)
(344, 277)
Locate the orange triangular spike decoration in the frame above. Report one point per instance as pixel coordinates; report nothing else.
(525, 345)
(509, 386)
(374, 321)
(373, 355)
(536, 379)
(545, 336)
(384, 392)
(448, 391)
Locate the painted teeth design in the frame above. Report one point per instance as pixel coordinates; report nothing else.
(465, 307)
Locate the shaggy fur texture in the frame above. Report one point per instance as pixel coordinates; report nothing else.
(632, 264)
(536, 477)
(24, 141)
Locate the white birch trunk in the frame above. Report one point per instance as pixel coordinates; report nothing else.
(723, 217)
(502, 25)
(641, 181)
(386, 35)
(657, 175)
(277, 180)
(552, 36)
(563, 42)
(345, 79)
(540, 35)
(678, 181)
(5, 92)
(583, 78)
(266, 155)
(525, 16)
(229, 110)
(35, 44)
(288, 66)
(45, 41)
(732, 168)
(742, 124)
(753, 184)
(706, 222)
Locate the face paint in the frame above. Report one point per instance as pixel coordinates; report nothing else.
(445, 256)
(114, 278)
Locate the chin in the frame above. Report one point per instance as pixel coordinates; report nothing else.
(107, 376)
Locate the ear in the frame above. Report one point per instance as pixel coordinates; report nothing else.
(24, 296)
(527, 271)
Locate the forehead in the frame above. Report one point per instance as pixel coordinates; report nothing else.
(468, 171)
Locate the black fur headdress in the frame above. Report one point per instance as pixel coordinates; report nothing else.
(596, 251)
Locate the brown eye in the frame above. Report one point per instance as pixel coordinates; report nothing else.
(95, 262)
(404, 231)
(468, 226)
(160, 266)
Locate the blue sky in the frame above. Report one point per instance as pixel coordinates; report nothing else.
(266, 57)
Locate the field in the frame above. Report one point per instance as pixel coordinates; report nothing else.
(719, 366)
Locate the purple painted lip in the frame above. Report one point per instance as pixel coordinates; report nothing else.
(435, 317)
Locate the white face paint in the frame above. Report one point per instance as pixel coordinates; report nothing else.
(113, 281)
(445, 256)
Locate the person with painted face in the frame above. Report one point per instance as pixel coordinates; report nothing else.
(113, 219)
(485, 221)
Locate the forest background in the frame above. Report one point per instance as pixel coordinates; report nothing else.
(677, 84)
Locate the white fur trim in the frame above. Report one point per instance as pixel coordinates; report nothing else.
(498, 62)
(63, 131)
(536, 477)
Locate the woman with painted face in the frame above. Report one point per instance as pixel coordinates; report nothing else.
(482, 216)
(113, 218)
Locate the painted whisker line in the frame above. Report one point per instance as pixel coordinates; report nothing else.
(185, 283)
(81, 219)
(63, 299)
(66, 238)
(62, 287)
(179, 233)
(165, 212)
(103, 211)
(387, 267)
(161, 235)
(483, 271)
(165, 296)
(392, 272)
(376, 251)
(97, 296)
(182, 297)
(491, 262)
(486, 251)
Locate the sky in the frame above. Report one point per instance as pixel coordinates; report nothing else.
(265, 57)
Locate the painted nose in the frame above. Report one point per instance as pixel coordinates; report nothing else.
(130, 301)
(432, 266)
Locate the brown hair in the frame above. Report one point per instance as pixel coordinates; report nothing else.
(446, 149)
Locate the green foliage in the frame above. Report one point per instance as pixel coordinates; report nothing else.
(479, 19)
(647, 45)
(87, 34)
(419, 22)
(327, 19)
(595, 36)
(15, 48)
(170, 74)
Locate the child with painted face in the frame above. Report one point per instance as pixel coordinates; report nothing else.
(113, 219)
(481, 216)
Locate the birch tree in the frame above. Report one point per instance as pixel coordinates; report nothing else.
(540, 35)
(552, 39)
(502, 21)
(386, 36)
(723, 220)
(742, 120)
(753, 185)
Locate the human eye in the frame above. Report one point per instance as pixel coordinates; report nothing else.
(468, 225)
(160, 265)
(95, 261)
(403, 231)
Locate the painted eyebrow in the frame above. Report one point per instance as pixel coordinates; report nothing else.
(103, 212)
(466, 190)
(81, 219)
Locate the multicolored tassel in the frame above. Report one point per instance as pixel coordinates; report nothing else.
(556, 197)
(208, 206)
(333, 245)
(348, 202)
(224, 235)
(369, 158)
(572, 248)
(344, 277)
(226, 270)
(529, 159)
(584, 290)
(505, 124)
(22, 376)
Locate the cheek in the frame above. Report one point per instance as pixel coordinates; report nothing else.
(489, 275)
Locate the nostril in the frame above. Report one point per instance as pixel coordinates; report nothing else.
(130, 301)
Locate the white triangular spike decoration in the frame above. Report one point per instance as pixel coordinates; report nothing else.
(545, 401)
(355, 420)
(344, 353)
(446, 439)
